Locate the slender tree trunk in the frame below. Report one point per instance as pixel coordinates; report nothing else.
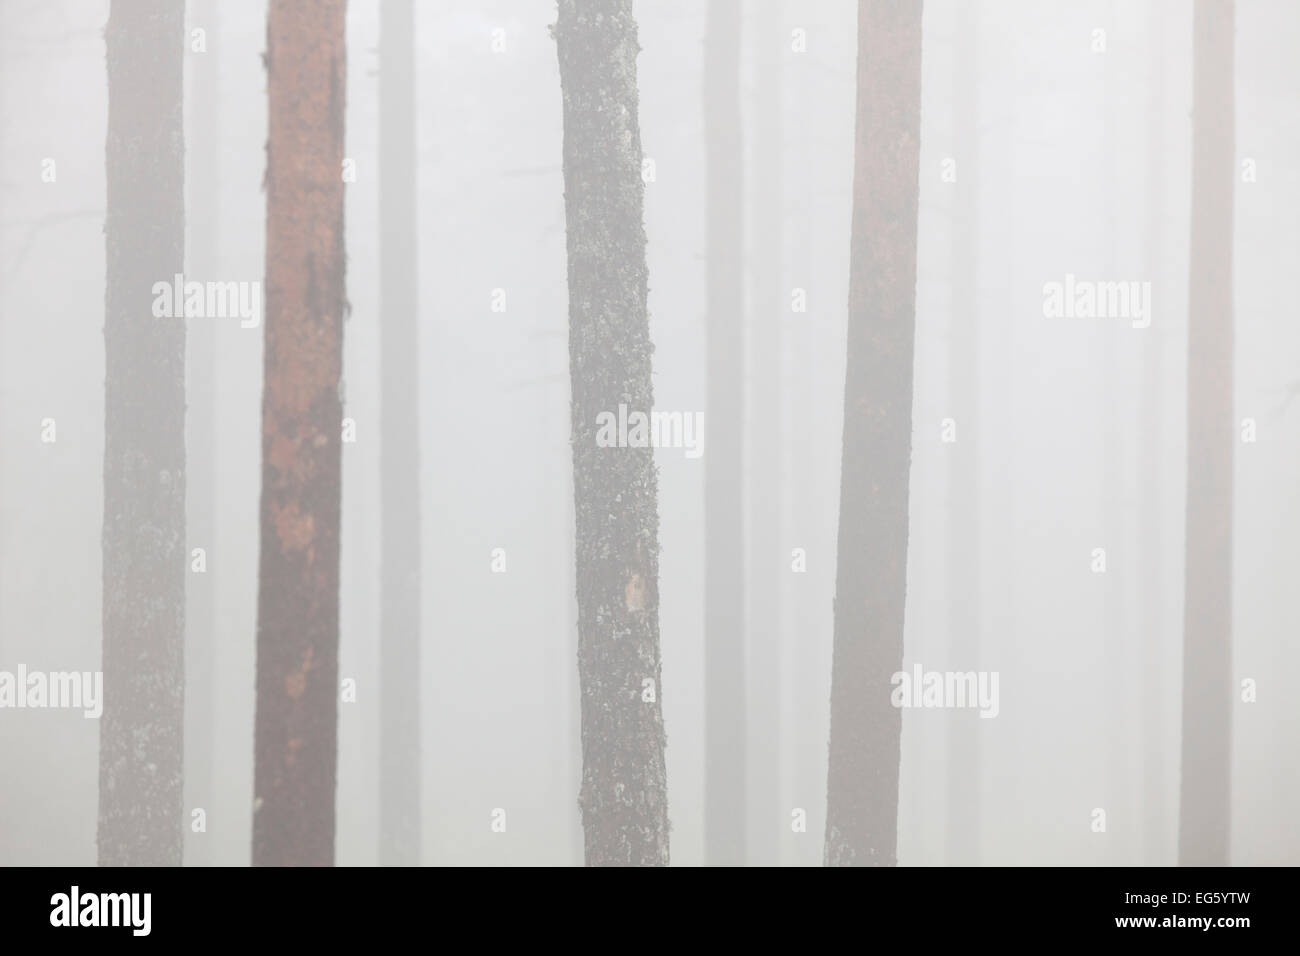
(399, 742)
(1207, 624)
(298, 586)
(871, 575)
(765, 394)
(965, 574)
(1151, 472)
(141, 732)
(201, 263)
(724, 531)
(1117, 640)
(624, 780)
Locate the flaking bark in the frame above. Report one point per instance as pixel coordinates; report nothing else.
(298, 584)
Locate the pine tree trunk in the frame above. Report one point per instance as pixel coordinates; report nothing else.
(144, 545)
(871, 574)
(399, 742)
(725, 726)
(1211, 434)
(624, 780)
(298, 586)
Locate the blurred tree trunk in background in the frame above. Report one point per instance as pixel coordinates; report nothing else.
(144, 546)
(399, 738)
(1208, 686)
(965, 501)
(624, 796)
(725, 725)
(298, 584)
(871, 574)
(1152, 557)
(766, 389)
(202, 263)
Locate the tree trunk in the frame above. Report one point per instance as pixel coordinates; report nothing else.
(399, 742)
(965, 572)
(298, 586)
(141, 731)
(1151, 469)
(1207, 607)
(201, 263)
(724, 531)
(624, 780)
(766, 390)
(871, 575)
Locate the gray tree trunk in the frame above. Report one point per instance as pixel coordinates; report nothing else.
(724, 528)
(765, 398)
(624, 796)
(1203, 833)
(296, 726)
(871, 574)
(1117, 637)
(141, 731)
(964, 572)
(1152, 556)
(201, 263)
(399, 741)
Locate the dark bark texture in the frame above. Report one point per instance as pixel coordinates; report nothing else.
(298, 584)
(871, 575)
(399, 740)
(725, 726)
(141, 731)
(624, 781)
(1211, 435)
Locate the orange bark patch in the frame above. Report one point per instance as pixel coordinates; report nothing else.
(295, 529)
(281, 455)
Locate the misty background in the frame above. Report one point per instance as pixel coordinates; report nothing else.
(1081, 166)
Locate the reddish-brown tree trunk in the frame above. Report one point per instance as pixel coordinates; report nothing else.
(298, 584)
(871, 574)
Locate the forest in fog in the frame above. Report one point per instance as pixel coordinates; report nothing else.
(634, 432)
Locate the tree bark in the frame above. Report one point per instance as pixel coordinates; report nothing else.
(298, 585)
(624, 780)
(871, 575)
(1211, 434)
(141, 730)
(725, 726)
(399, 742)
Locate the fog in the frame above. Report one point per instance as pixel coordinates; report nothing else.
(1047, 500)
